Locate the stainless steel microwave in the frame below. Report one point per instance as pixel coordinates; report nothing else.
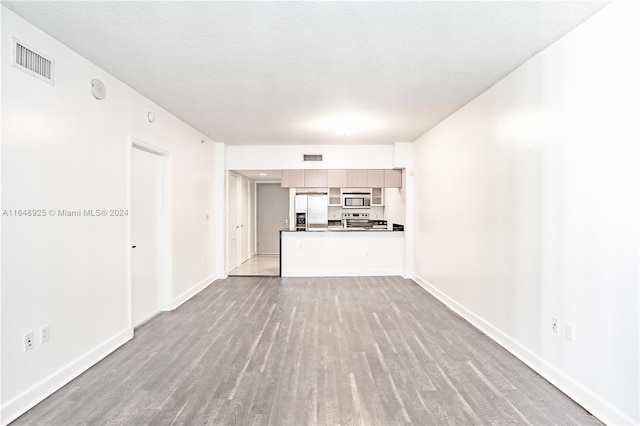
(356, 200)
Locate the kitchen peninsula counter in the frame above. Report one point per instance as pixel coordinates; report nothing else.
(341, 252)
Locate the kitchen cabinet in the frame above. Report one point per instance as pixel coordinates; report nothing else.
(342, 178)
(335, 197)
(292, 179)
(377, 197)
(342, 253)
(375, 178)
(356, 178)
(336, 178)
(393, 178)
(315, 178)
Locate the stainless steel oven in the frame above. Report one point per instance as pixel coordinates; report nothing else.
(358, 221)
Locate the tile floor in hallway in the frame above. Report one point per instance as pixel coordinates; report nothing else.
(262, 265)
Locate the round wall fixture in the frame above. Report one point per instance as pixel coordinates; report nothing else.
(151, 117)
(97, 89)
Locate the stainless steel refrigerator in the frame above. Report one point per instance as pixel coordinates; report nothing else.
(312, 210)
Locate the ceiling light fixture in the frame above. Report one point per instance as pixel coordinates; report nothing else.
(345, 122)
(263, 174)
(343, 128)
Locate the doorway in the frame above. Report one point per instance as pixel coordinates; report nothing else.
(271, 215)
(149, 235)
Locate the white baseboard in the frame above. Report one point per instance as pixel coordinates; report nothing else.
(601, 409)
(339, 273)
(19, 405)
(177, 301)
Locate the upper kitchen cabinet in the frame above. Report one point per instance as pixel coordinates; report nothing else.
(292, 179)
(375, 178)
(357, 178)
(353, 178)
(393, 179)
(377, 197)
(336, 178)
(315, 178)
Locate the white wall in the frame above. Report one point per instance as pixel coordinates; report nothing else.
(403, 155)
(276, 157)
(395, 201)
(526, 206)
(218, 234)
(62, 149)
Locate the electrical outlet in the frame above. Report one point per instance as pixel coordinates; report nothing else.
(44, 333)
(555, 325)
(28, 341)
(570, 332)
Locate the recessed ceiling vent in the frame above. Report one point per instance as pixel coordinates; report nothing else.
(312, 157)
(32, 62)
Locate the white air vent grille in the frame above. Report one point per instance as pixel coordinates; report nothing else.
(312, 157)
(32, 62)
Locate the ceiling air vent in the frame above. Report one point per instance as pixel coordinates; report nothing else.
(32, 62)
(312, 157)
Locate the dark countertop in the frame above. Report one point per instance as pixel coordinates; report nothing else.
(343, 230)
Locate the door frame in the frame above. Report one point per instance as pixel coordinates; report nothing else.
(166, 228)
(244, 210)
(227, 247)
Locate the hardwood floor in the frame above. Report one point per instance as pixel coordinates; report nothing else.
(288, 351)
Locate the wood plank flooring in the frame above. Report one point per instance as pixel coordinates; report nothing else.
(289, 351)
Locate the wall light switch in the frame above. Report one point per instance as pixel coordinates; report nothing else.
(570, 332)
(44, 333)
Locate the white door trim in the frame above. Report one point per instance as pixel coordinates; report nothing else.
(166, 286)
(244, 210)
(228, 212)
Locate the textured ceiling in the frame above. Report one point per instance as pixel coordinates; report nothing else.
(287, 72)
